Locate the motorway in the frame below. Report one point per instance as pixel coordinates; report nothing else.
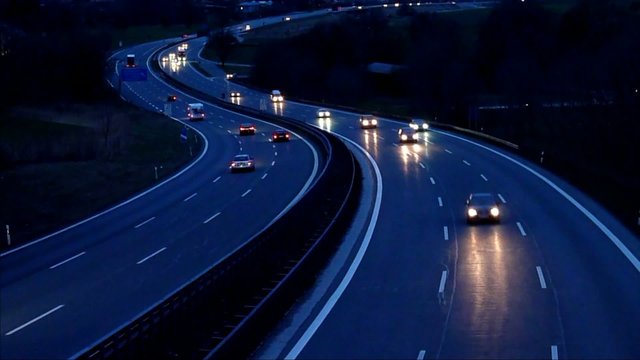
(62, 293)
(558, 277)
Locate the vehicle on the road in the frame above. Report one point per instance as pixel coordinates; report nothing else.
(247, 129)
(482, 207)
(368, 122)
(131, 60)
(242, 162)
(195, 111)
(172, 98)
(234, 94)
(407, 134)
(230, 76)
(181, 52)
(419, 125)
(276, 96)
(286, 18)
(323, 113)
(280, 135)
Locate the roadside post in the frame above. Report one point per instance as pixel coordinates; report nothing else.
(8, 236)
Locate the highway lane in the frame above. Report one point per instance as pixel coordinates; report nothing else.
(493, 303)
(67, 291)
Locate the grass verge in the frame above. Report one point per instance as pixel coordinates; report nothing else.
(43, 191)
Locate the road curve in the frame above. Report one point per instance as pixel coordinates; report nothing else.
(557, 278)
(70, 289)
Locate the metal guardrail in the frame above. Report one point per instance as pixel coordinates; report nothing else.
(228, 308)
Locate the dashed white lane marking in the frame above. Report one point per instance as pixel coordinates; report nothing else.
(395, 145)
(273, 162)
(210, 122)
(216, 179)
(443, 281)
(502, 199)
(447, 151)
(34, 320)
(446, 232)
(351, 127)
(433, 182)
(246, 193)
(66, 261)
(266, 135)
(276, 153)
(484, 177)
(264, 176)
(466, 162)
(521, 229)
(211, 218)
(144, 222)
(240, 148)
(229, 131)
(220, 116)
(422, 165)
(421, 355)
(439, 201)
(379, 137)
(220, 126)
(233, 121)
(190, 197)
(554, 352)
(543, 284)
(152, 255)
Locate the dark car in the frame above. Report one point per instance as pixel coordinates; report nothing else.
(407, 135)
(368, 122)
(280, 135)
(482, 207)
(247, 129)
(242, 162)
(419, 125)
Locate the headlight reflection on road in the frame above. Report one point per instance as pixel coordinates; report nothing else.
(487, 274)
(325, 124)
(278, 108)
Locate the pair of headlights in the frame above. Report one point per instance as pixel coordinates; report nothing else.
(495, 212)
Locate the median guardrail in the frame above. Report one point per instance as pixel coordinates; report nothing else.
(227, 309)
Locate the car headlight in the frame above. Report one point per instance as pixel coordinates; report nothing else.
(365, 122)
(403, 137)
(414, 136)
(495, 212)
(374, 122)
(425, 126)
(472, 212)
(413, 126)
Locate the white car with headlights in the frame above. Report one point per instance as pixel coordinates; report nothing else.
(323, 113)
(242, 162)
(406, 135)
(368, 122)
(482, 207)
(276, 96)
(419, 125)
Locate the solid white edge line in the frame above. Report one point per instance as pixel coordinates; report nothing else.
(152, 255)
(521, 229)
(144, 222)
(443, 281)
(543, 284)
(421, 355)
(502, 199)
(446, 232)
(554, 352)
(211, 218)
(333, 299)
(34, 320)
(66, 261)
(245, 193)
(190, 197)
(605, 230)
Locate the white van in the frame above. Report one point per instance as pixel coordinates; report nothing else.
(276, 96)
(195, 111)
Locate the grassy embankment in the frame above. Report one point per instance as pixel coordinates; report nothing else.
(61, 164)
